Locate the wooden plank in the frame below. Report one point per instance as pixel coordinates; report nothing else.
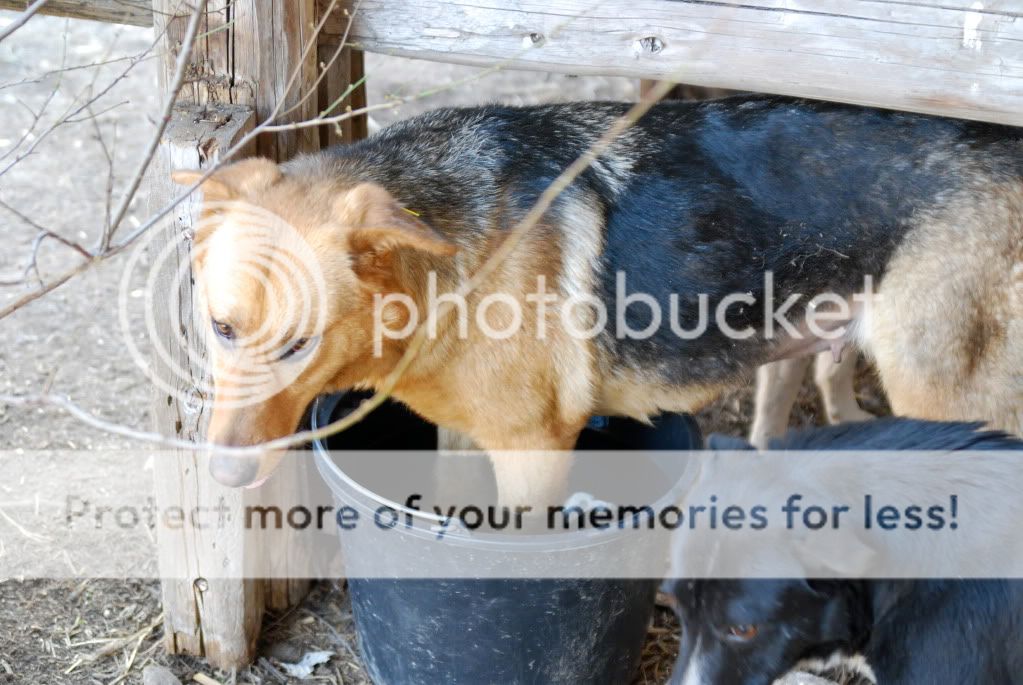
(133, 12)
(269, 42)
(203, 614)
(346, 69)
(954, 58)
(244, 63)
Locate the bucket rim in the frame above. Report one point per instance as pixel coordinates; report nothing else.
(323, 407)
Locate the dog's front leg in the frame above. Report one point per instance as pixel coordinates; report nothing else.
(532, 474)
(778, 385)
(836, 382)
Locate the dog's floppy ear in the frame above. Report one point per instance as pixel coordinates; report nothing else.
(377, 224)
(232, 181)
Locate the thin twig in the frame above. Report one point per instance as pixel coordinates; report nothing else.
(42, 234)
(264, 127)
(143, 57)
(324, 68)
(72, 112)
(22, 18)
(297, 71)
(440, 312)
(109, 157)
(180, 69)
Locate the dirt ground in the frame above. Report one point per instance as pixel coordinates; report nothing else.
(106, 631)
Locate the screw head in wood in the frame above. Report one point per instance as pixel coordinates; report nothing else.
(533, 40)
(650, 45)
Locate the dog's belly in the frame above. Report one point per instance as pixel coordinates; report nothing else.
(641, 395)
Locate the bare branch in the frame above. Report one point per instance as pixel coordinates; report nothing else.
(146, 56)
(180, 69)
(297, 71)
(22, 18)
(109, 195)
(48, 287)
(37, 116)
(438, 314)
(43, 233)
(265, 127)
(324, 68)
(72, 112)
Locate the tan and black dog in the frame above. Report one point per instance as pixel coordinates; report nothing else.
(697, 199)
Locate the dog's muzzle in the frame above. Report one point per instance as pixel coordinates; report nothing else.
(235, 472)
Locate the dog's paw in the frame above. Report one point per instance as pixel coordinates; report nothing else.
(586, 502)
(838, 669)
(800, 678)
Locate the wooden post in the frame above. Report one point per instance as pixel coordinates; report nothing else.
(203, 615)
(257, 61)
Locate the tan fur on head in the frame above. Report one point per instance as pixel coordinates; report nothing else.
(350, 236)
(376, 224)
(232, 181)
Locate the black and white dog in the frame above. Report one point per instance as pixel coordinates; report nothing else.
(890, 632)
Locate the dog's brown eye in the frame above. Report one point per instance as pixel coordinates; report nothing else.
(223, 330)
(296, 348)
(743, 632)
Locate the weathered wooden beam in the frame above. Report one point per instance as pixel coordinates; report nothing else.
(134, 12)
(258, 58)
(347, 69)
(954, 58)
(255, 53)
(204, 613)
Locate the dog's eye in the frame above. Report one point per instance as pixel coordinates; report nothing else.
(743, 632)
(300, 345)
(224, 330)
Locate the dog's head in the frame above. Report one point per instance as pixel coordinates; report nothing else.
(287, 268)
(751, 632)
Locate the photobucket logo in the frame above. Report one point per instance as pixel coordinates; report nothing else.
(256, 313)
(636, 315)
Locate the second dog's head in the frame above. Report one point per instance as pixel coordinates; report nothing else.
(287, 268)
(752, 632)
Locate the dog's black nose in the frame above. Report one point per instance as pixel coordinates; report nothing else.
(234, 472)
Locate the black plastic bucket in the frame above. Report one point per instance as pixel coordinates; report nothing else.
(475, 631)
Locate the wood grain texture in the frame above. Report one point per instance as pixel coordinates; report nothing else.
(133, 12)
(204, 614)
(240, 75)
(951, 57)
(960, 58)
(346, 69)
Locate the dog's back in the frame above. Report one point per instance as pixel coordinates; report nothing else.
(704, 198)
(749, 631)
(945, 632)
